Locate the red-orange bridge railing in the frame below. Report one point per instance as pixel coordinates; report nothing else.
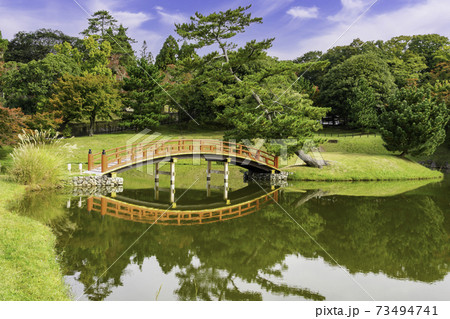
(123, 156)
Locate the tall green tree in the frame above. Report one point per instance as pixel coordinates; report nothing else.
(168, 53)
(141, 95)
(36, 45)
(340, 81)
(90, 96)
(413, 122)
(121, 48)
(100, 22)
(93, 58)
(31, 85)
(186, 51)
(363, 106)
(428, 45)
(256, 97)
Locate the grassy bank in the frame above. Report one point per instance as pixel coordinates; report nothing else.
(29, 270)
(360, 159)
(351, 158)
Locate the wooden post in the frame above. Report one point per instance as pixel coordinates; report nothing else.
(104, 206)
(90, 204)
(225, 179)
(208, 179)
(90, 160)
(156, 181)
(133, 154)
(276, 162)
(172, 181)
(104, 162)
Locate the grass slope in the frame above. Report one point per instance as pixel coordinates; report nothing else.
(29, 270)
(360, 159)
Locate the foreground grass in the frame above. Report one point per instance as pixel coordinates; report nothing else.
(29, 270)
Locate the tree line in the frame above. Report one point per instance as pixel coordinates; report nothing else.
(399, 87)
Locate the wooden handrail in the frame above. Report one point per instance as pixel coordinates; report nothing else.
(118, 156)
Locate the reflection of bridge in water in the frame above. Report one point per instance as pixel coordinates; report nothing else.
(184, 215)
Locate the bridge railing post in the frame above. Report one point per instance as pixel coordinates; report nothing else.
(90, 160)
(275, 161)
(104, 162)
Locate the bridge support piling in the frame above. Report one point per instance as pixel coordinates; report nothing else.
(156, 181)
(208, 179)
(172, 182)
(225, 179)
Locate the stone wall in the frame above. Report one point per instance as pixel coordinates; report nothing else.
(96, 190)
(96, 181)
(278, 179)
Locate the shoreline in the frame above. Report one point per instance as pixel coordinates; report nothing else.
(30, 267)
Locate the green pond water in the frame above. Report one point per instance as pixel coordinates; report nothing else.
(307, 241)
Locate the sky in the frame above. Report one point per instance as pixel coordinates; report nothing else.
(298, 26)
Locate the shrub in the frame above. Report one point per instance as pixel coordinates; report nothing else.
(39, 160)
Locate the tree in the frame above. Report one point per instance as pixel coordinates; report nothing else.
(363, 106)
(28, 46)
(186, 51)
(141, 90)
(339, 54)
(313, 76)
(11, 124)
(93, 58)
(145, 53)
(121, 45)
(254, 87)
(168, 53)
(339, 82)
(90, 96)
(29, 86)
(3, 47)
(413, 122)
(428, 45)
(99, 23)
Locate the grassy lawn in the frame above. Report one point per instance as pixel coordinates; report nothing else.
(29, 269)
(360, 159)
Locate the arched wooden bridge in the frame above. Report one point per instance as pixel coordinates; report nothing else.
(119, 209)
(131, 156)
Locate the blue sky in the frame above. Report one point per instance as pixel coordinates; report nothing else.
(298, 25)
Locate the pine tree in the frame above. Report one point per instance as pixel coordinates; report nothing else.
(141, 89)
(413, 122)
(100, 22)
(168, 53)
(186, 51)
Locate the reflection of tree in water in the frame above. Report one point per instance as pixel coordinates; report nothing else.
(246, 248)
(401, 236)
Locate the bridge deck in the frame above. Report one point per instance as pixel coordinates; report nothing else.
(125, 157)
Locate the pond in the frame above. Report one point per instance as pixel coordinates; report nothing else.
(306, 241)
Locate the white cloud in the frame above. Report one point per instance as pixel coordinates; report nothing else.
(265, 8)
(170, 18)
(430, 16)
(351, 9)
(13, 20)
(303, 12)
(131, 19)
